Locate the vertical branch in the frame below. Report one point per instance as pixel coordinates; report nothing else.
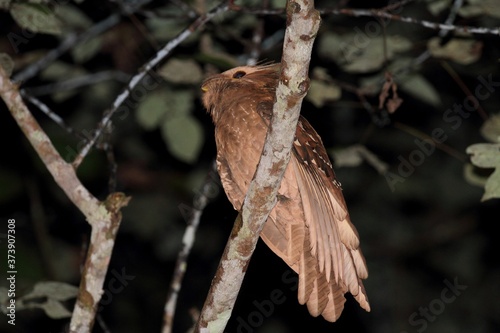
(104, 217)
(302, 26)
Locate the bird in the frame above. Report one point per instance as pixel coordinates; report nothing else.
(309, 227)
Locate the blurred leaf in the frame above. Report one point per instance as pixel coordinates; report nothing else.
(181, 71)
(321, 92)
(55, 309)
(472, 177)
(164, 29)
(152, 109)
(487, 155)
(183, 136)
(86, 50)
(481, 7)
(461, 51)
(419, 87)
(59, 71)
(164, 103)
(59, 291)
(322, 88)
(36, 18)
(73, 17)
(491, 128)
(7, 63)
(48, 296)
(4, 4)
(437, 6)
(359, 53)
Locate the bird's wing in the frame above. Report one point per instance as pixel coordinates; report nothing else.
(333, 239)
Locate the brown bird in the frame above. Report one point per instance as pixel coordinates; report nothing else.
(309, 228)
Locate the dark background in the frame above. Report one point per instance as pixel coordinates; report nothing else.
(428, 232)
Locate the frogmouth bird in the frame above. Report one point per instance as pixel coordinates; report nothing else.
(309, 228)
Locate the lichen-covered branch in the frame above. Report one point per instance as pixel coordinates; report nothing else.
(302, 26)
(104, 217)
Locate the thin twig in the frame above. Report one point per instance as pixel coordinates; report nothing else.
(199, 203)
(302, 26)
(77, 82)
(136, 79)
(70, 41)
(426, 24)
(51, 114)
(382, 13)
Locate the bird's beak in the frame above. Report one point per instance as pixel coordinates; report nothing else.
(204, 88)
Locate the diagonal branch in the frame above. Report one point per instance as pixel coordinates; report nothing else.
(104, 217)
(302, 25)
(146, 68)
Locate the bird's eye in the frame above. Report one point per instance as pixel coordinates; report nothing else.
(239, 74)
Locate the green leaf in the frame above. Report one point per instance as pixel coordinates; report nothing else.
(7, 63)
(321, 92)
(481, 7)
(37, 18)
(183, 136)
(437, 6)
(73, 17)
(461, 51)
(181, 71)
(86, 50)
(4, 4)
(361, 51)
(164, 103)
(152, 109)
(487, 155)
(491, 128)
(419, 87)
(48, 297)
(56, 290)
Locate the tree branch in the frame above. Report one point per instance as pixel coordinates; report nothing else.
(104, 217)
(302, 25)
(136, 79)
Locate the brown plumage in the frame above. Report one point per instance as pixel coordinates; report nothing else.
(309, 228)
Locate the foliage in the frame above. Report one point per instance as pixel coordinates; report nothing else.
(421, 177)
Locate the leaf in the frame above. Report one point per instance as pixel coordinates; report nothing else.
(163, 29)
(4, 4)
(361, 51)
(491, 128)
(55, 309)
(7, 63)
(182, 71)
(164, 103)
(55, 290)
(60, 71)
(419, 87)
(461, 51)
(73, 17)
(321, 92)
(47, 296)
(36, 17)
(86, 50)
(481, 7)
(487, 155)
(437, 6)
(152, 109)
(322, 88)
(183, 136)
